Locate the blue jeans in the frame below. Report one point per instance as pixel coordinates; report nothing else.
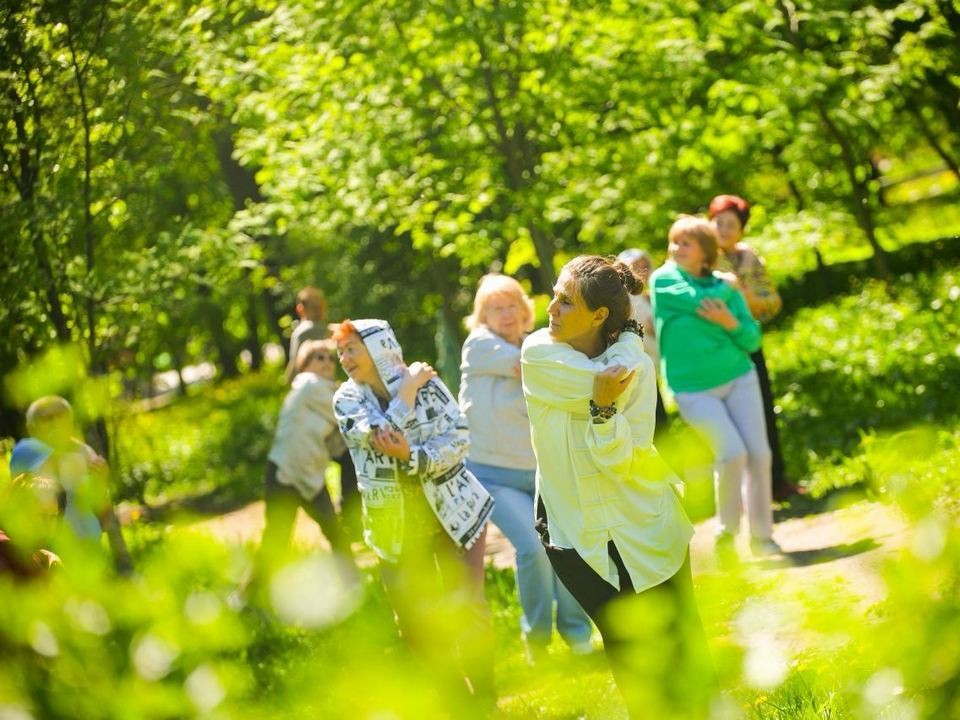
(537, 584)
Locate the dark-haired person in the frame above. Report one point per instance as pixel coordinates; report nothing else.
(311, 324)
(609, 513)
(706, 336)
(424, 514)
(741, 265)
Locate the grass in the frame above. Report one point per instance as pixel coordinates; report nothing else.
(213, 444)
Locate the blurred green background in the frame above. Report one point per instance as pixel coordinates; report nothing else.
(173, 172)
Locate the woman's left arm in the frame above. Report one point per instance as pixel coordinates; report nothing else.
(557, 375)
(747, 334)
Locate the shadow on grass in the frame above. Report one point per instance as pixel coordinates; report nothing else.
(218, 501)
(829, 282)
(798, 506)
(819, 556)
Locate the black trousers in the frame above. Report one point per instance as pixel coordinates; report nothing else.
(282, 502)
(778, 473)
(654, 640)
(351, 505)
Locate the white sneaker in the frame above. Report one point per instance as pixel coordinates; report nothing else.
(764, 547)
(584, 647)
(726, 551)
(534, 652)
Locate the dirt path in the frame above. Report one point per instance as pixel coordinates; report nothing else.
(848, 544)
(246, 525)
(832, 559)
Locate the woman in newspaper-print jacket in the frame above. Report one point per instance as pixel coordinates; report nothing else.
(423, 511)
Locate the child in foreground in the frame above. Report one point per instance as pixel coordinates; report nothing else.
(82, 474)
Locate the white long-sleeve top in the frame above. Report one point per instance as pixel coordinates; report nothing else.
(306, 435)
(492, 399)
(603, 482)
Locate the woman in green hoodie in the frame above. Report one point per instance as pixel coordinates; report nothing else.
(706, 336)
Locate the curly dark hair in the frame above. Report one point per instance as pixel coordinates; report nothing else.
(604, 281)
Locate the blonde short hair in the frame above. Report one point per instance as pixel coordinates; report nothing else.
(311, 349)
(497, 284)
(47, 408)
(703, 232)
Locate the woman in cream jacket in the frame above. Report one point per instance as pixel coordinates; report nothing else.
(609, 513)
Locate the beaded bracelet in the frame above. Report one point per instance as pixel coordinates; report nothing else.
(601, 413)
(632, 326)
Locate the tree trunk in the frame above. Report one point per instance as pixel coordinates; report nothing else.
(545, 254)
(100, 435)
(934, 141)
(29, 165)
(860, 193)
(791, 184)
(822, 272)
(89, 303)
(243, 187)
(214, 316)
(519, 160)
(253, 330)
(447, 338)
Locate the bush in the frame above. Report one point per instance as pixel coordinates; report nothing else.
(879, 360)
(214, 444)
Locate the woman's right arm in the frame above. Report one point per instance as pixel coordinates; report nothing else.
(623, 444)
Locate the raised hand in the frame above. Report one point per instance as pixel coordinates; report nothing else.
(420, 373)
(414, 378)
(610, 383)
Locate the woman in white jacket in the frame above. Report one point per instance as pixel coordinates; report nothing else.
(501, 457)
(609, 512)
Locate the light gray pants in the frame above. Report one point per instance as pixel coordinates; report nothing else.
(730, 416)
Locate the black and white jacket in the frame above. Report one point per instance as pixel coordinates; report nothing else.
(438, 437)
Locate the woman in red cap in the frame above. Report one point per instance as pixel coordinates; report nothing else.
(745, 269)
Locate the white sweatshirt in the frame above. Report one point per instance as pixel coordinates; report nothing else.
(491, 396)
(603, 482)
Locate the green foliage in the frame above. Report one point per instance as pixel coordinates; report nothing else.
(879, 360)
(214, 444)
(81, 644)
(172, 172)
